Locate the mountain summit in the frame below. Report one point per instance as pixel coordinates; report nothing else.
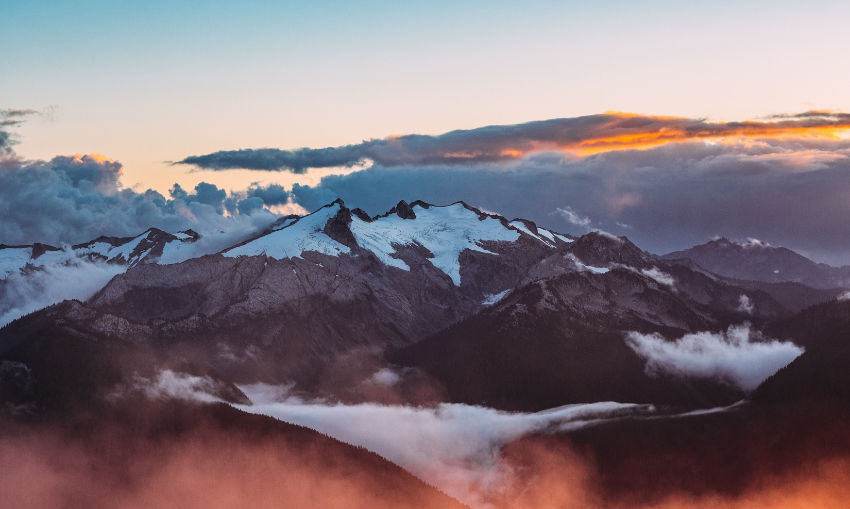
(755, 260)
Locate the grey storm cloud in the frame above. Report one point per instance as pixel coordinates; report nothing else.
(10, 118)
(13, 117)
(5, 142)
(273, 194)
(509, 142)
(72, 199)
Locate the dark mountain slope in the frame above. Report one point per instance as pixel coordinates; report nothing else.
(756, 261)
(168, 454)
(793, 431)
(560, 339)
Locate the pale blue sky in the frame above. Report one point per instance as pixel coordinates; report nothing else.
(147, 82)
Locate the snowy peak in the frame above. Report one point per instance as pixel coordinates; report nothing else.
(403, 210)
(147, 247)
(543, 235)
(444, 232)
(302, 234)
(601, 249)
(151, 246)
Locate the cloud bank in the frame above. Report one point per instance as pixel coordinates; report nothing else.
(73, 199)
(738, 356)
(76, 198)
(667, 183)
(788, 192)
(452, 446)
(587, 134)
(21, 294)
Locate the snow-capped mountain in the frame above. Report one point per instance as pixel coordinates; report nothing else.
(289, 304)
(150, 246)
(444, 232)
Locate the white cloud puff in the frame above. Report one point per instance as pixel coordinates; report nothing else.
(738, 356)
(452, 446)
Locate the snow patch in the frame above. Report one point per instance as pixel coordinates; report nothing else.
(121, 251)
(292, 241)
(581, 266)
(546, 233)
(13, 259)
(444, 231)
(286, 222)
(753, 242)
(519, 225)
(492, 298)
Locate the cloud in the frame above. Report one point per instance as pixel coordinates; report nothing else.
(273, 194)
(197, 465)
(73, 199)
(76, 198)
(452, 446)
(787, 189)
(584, 135)
(174, 385)
(15, 116)
(10, 118)
(215, 466)
(659, 276)
(738, 356)
(386, 377)
(572, 217)
(671, 197)
(745, 305)
(21, 294)
(296, 161)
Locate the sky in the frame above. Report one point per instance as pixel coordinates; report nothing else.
(151, 83)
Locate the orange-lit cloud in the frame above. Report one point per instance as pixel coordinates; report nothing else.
(583, 136)
(211, 467)
(98, 158)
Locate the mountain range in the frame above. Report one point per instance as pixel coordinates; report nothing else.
(427, 305)
(755, 260)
